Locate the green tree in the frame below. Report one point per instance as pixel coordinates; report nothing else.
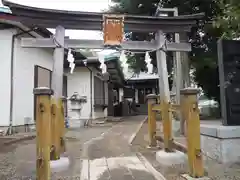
(229, 19)
(141, 7)
(203, 37)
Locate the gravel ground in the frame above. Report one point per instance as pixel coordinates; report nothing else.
(17, 161)
(214, 170)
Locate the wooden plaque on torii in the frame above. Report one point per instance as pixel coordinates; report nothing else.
(113, 30)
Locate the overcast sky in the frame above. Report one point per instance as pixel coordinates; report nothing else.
(71, 5)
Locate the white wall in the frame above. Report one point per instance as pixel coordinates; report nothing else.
(23, 77)
(5, 75)
(79, 81)
(24, 61)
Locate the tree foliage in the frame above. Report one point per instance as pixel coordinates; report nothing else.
(229, 19)
(203, 37)
(138, 7)
(141, 7)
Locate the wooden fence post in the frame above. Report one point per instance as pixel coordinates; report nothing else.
(167, 126)
(43, 130)
(62, 125)
(55, 131)
(152, 99)
(193, 133)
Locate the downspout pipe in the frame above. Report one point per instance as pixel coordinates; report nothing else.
(91, 91)
(10, 127)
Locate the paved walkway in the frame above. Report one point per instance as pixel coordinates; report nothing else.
(95, 153)
(109, 157)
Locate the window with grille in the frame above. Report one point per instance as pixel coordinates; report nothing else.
(43, 78)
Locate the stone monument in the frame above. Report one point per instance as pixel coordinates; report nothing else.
(221, 141)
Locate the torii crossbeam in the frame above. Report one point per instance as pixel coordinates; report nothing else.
(50, 18)
(61, 20)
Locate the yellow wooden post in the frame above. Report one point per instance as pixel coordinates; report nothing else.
(43, 130)
(184, 111)
(55, 131)
(167, 126)
(62, 125)
(152, 99)
(193, 133)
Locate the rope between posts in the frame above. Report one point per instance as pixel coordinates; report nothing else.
(162, 48)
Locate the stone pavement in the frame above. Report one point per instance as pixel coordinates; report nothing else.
(110, 157)
(115, 168)
(95, 153)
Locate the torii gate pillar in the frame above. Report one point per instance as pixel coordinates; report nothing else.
(164, 89)
(58, 60)
(162, 68)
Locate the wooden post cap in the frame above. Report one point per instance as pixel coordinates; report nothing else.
(42, 91)
(190, 91)
(151, 96)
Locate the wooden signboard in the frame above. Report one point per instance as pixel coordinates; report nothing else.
(113, 29)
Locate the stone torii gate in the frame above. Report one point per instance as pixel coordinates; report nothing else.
(114, 27)
(61, 20)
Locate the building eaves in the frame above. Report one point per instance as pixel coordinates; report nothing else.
(37, 32)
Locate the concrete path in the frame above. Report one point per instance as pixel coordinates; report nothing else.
(109, 157)
(115, 168)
